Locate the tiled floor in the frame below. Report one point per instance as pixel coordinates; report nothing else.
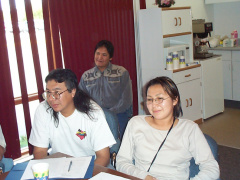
(224, 127)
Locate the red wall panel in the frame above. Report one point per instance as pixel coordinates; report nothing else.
(82, 23)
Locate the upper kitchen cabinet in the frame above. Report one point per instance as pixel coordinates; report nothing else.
(219, 1)
(159, 30)
(176, 22)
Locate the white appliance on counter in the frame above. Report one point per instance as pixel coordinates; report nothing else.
(212, 86)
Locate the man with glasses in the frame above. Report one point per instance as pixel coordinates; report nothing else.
(69, 122)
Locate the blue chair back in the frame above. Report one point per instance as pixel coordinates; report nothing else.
(6, 164)
(194, 168)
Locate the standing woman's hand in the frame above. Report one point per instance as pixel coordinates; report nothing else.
(148, 177)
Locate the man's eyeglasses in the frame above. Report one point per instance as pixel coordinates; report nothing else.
(157, 100)
(55, 95)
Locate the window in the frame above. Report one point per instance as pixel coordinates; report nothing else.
(27, 57)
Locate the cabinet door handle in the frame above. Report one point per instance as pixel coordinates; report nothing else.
(190, 101)
(188, 75)
(175, 21)
(180, 21)
(187, 102)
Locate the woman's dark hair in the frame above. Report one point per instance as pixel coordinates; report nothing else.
(170, 87)
(81, 99)
(107, 44)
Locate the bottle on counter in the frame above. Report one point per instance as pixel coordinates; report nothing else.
(226, 43)
(221, 43)
(175, 60)
(233, 42)
(169, 63)
(182, 62)
(235, 36)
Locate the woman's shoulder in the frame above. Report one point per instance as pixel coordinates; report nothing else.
(186, 123)
(137, 119)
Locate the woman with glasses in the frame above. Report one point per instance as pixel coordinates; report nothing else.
(161, 145)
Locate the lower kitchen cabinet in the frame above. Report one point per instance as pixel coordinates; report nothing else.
(212, 86)
(189, 86)
(236, 80)
(191, 99)
(231, 73)
(227, 79)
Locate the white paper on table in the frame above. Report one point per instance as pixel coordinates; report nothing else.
(106, 176)
(58, 167)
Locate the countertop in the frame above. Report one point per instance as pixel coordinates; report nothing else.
(219, 48)
(186, 68)
(204, 59)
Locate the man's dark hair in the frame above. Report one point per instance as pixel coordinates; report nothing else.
(107, 44)
(171, 89)
(81, 99)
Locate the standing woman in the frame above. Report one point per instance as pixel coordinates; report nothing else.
(161, 145)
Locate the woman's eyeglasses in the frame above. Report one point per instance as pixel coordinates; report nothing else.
(157, 100)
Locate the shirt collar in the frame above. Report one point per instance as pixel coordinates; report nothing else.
(109, 67)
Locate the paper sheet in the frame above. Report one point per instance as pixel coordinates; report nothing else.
(58, 167)
(106, 176)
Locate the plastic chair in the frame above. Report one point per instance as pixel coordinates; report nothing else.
(6, 164)
(194, 168)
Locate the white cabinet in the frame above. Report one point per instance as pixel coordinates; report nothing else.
(227, 79)
(190, 99)
(227, 72)
(186, 75)
(176, 21)
(236, 75)
(159, 28)
(189, 86)
(236, 80)
(212, 86)
(231, 73)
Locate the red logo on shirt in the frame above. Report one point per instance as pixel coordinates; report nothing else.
(81, 134)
